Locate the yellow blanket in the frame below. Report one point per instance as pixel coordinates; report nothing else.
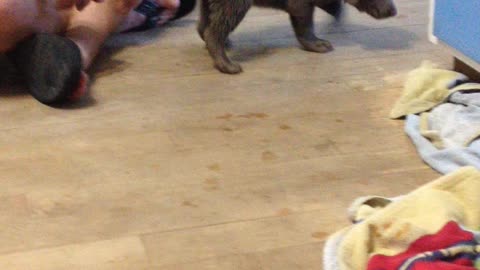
(425, 88)
(391, 229)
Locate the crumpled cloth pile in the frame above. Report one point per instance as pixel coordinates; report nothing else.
(442, 110)
(433, 227)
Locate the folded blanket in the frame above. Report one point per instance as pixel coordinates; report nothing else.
(390, 230)
(450, 248)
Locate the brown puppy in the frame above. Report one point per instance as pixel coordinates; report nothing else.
(219, 18)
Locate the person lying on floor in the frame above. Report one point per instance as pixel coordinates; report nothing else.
(53, 42)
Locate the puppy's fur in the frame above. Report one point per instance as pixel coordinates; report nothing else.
(218, 18)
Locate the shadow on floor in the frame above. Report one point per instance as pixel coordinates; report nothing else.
(106, 64)
(263, 42)
(10, 82)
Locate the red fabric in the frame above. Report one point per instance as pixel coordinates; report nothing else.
(450, 235)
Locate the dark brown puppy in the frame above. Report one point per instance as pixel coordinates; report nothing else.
(219, 18)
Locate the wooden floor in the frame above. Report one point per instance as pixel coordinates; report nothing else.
(172, 165)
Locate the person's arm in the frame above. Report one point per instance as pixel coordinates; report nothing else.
(83, 3)
(68, 4)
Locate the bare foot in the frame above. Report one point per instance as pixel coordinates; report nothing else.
(171, 7)
(135, 18)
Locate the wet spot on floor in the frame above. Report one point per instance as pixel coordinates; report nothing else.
(214, 167)
(254, 115)
(189, 204)
(268, 156)
(284, 212)
(211, 184)
(226, 116)
(319, 235)
(324, 145)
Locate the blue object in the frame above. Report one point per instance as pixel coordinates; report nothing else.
(456, 23)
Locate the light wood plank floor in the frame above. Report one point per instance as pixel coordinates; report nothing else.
(172, 165)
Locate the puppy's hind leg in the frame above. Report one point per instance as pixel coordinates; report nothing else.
(204, 21)
(334, 8)
(301, 16)
(225, 15)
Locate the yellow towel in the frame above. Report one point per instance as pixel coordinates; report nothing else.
(425, 88)
(390, 230)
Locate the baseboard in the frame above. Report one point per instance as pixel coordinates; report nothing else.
(462, 67)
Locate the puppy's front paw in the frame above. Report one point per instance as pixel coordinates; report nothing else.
(318, 45)
(229, 68)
